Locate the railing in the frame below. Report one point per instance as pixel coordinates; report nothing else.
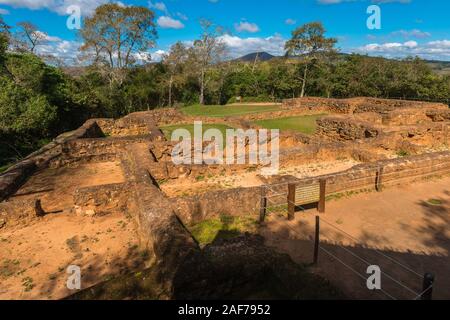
(284, 198)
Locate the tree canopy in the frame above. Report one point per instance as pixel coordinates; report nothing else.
(119, 35)
(39, 101)
(309, 41)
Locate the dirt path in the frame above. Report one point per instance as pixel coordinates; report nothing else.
(402, 224)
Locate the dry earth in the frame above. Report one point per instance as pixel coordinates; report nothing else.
(185, 187)
(399, 223)
(34, 257)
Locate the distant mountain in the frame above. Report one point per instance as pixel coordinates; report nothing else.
(261, 56)
(441, 67)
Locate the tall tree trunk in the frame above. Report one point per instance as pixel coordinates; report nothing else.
(305, 74)
(222, 84)
(170, 90)
(202, 88)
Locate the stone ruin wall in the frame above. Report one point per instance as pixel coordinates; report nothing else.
(161, 219)
(16, 175)
(342, 129)
(439, 115)
(246, 201)
(84, 146)
(356, 105)
(92, 150)
(68, 149)
(102, 200)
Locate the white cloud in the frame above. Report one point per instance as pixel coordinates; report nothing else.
(415, 33)
(66, 51)
(160, 6)
(436, 50)
(440, 44)
(238, 46)
(169, 23)
(290, 22)
(30, 4)
(4, 11)
(411, 44)
(245, 26)
(58, 6)
(45, 37)
(158, 55)
(182, 16)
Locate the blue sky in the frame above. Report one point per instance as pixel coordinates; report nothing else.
(408, 27)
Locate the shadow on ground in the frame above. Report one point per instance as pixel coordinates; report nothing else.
(344, 261)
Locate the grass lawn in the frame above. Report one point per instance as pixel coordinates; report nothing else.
(225, 227)
(304, 124)
(226, 111)
(190, 127)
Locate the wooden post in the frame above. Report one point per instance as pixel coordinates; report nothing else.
(263, 206)
(379, 182)
(291, 201)
(38, 208)
(317, 241)
(428, 281)
(323, 190)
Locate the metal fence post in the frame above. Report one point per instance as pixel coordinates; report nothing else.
(38, 208)
(379, 179)
(428, 281)
(291, 201)
(263, 205)
(317, 241)
(323, 190)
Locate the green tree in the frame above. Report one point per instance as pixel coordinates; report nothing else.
(4, 42)
(310, 42)
(28, 37)
(117, 35)
(174, 62)
(207, 50)
(22, 111)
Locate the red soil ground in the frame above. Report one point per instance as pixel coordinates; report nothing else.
(399, 223)
(34, 257)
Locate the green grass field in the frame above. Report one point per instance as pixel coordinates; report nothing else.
(225, 227)
(226, 111)
(168, 130)
(303, 124)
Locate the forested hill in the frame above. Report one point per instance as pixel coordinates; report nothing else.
(258, 56)
(441, 67)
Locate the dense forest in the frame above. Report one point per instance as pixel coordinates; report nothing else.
(39, 100)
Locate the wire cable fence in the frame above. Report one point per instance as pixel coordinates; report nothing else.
(275, 203)
(371, 182)
(372, 174)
